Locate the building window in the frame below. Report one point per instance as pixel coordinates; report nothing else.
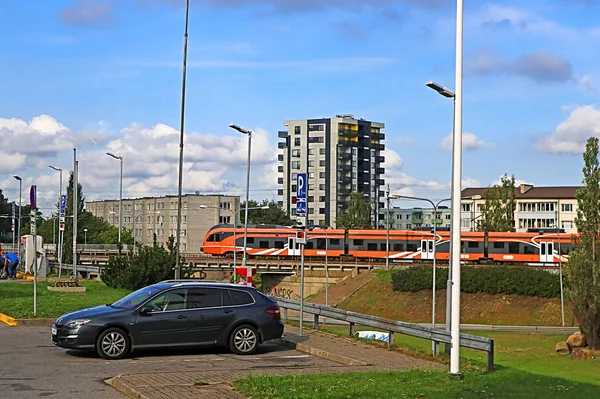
(322, 151)
(225, 205)
(311, 211)
(311, 175)
(322, 186)
(296, 153)
(567, 208)
(466, 207)
(311, 151)
(311, 187)
(297, 141)
(294, 176)
(295, 164)
(297, 129)
(311, 164)
(293, 188)
(316, 128)
(311, 198)
(567, 224)
(322, 175)
(184, 219)
(322, 162)
(321, 211)
(224, 219)
(321, 198)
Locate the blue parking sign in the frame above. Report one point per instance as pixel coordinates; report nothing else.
(301, 186)
(301, 208)
(63, 205)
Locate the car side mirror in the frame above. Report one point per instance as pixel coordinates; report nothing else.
(146, 309)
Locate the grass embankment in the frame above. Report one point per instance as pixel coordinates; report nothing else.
(526, 367)
(16, 299)
(377, 298)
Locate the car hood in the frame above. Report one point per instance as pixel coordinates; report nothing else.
(87, 313)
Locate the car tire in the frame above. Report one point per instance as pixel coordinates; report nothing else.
(3, 274)
(244, 340)
(113, 343)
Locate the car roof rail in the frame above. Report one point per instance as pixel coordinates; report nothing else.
(189, 280)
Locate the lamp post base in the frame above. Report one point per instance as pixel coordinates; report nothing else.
(457, 376)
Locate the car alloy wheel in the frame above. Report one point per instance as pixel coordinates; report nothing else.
(113, 344)
(244, 340)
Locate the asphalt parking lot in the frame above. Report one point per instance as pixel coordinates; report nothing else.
(31, 366)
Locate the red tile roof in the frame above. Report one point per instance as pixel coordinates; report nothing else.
(555, 192)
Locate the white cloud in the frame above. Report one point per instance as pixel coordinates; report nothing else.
(392, 159)
(469, 182)
(518, 181)
(10, 163)
(571, 135)
(588, 84)
(470, 141)
(42, 136)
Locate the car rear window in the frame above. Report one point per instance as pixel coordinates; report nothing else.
(241, 297)
(204, 298)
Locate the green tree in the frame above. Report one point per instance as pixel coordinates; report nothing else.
(273, 215)
(358, 214)
(499, 207)
(582, 271)
(5, 223)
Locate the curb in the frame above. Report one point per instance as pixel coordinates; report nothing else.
(42, 322)
(321, 353)
(8, 320)
(118, 384)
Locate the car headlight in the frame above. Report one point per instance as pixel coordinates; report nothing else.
(76, 323)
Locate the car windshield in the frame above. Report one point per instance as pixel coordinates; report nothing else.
(134, 299)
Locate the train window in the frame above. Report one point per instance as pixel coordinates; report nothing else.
(211, 238)
(358, 242)
(278, 244)
(411, 247)
(513, 248)
(472, 244)
(528, 249)
(321, 243)
(543, 247)
(398, 247)
(250, 240)
(372, 246)
(309, 245)
(334, 241)
(499, 245)
(383, 247)
(263, 244)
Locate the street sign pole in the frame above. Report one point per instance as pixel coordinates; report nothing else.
(32, 198)
(61, 230)
(13, 227)
(301, 189)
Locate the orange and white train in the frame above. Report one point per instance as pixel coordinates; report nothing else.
(408, 245)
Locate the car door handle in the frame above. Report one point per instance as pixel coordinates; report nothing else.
(181, 317)
(228, 311)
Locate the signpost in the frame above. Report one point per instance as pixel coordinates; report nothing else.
(12, 218)
(301, 194)
(61, 231)
(32, 202)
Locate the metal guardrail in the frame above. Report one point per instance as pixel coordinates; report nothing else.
(433, 334)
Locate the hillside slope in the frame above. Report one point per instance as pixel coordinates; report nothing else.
(377, 298)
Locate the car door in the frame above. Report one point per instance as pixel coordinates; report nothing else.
(168, 322)
(209, 318)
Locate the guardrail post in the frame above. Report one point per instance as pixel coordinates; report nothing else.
(390, 338)
(491, 357)
(351, 329)
(316, 322)
(285, 313)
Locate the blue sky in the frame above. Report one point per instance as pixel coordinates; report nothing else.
(105, 75)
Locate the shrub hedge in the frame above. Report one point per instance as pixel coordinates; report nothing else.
(488, 280)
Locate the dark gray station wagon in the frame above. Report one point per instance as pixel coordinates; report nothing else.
(173, 314)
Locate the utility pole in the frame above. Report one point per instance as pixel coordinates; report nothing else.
(75, 201)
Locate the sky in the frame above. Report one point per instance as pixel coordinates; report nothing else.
(105, 76)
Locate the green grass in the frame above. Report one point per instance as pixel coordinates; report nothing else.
(16, 299)
(526, 367)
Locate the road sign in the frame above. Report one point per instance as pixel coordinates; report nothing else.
(301, 186)
(33, 196)
(63, 205)
(61, 226)
(301, 237)
(301, 208)
(13, 217)
(33, 225)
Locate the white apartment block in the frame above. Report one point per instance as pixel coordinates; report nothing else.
(147, 216)
(416, 218)
(339, 155)
(537, 208)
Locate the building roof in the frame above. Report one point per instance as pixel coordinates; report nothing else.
(528, 191)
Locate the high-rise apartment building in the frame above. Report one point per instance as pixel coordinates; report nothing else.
(144, 217)
(339, 155)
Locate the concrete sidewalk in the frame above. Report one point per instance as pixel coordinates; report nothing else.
(348, 355)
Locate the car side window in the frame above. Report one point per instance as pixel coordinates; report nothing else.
(170, 300)
(199, 298)
(227, 299)
(241, 297)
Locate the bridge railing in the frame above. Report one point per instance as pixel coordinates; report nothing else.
(392, 326)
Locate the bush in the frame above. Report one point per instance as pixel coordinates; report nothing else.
(487, 280)
(150, 265)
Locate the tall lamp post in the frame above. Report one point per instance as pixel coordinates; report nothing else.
(58, 252)
(85, 236)
(119, 158)
(234, 230)
(435, 208)
(249, 133)
(20, 195)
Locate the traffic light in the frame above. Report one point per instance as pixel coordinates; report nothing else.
(301, 237)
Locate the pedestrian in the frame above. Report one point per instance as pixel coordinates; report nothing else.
(13, 261)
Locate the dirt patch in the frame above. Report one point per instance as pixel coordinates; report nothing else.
(343, 289)
(377, 298)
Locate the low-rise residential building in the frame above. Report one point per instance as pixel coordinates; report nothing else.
(147, 216)
(536, 207)
(415, 218)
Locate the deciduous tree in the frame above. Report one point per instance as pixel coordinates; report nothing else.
(499, 207)
(582, 271)
(358, 214)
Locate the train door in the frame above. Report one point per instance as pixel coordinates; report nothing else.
(293, 248)
(426, 249)
(546, 251)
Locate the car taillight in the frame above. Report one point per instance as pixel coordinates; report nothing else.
(273, 311)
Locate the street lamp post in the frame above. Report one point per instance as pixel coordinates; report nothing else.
(58, 247)
(120, 158)
(387, 233)
(20, 205)
(435, 208)
(249, 133)
(85, 236)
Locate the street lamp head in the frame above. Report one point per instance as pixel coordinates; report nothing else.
(55, 168)
(444, 91)
(85, 230)
(114, 156)
(240, 129)
(264, 207)
(17, 177)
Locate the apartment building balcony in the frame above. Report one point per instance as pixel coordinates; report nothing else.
(280, 169)
(417, 220)
(380, 171)
(380, 159)
(280, 157)
(281, 145)
(282, 134)
(280, 191)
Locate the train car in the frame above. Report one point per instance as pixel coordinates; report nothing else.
(404, 245)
